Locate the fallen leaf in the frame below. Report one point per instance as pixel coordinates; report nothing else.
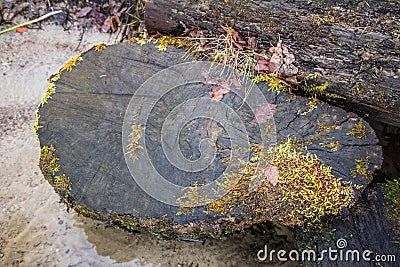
(262, 65)
(218, 92)
(293, 79)
(264, 113)
(276, 59)
(366, 56)
(252, 43)
(237, 40)
(106, 25)
(272, 175)
(219, 86)
(114, 23)
(84, 12)
(235, 81)
(280, 62)
(22, 29)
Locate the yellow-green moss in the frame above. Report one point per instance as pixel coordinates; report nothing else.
(49, 165)
(333, 96)
(71, 63)
(330, 19)
(316, 89)
(274, 83)
(49, 92)
(359, 130)
(326, 128)
(51, 89)
(306, 189)
(312, 105)
(48, 160)
(62, 184)
(130, 226)
(100, 47)
(163, 42)
(136, 134)
(36, 125)
(334, 146)
(362, 168)
(392, 194)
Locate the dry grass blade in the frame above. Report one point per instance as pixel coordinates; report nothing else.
(31, 21)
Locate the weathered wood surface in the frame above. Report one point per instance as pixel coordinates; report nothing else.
(354, 45)
(84, 119)
(366, 227)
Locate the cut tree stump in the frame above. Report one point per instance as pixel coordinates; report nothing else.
(354, 45)
(103, 155)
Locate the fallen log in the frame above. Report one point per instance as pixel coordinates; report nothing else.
(353, 45)
(365, 237)
(148, 139)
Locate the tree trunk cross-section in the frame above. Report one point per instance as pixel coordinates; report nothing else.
(354, 45)
(84, 121)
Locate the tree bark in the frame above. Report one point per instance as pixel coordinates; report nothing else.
(366, 227)
(354, 45)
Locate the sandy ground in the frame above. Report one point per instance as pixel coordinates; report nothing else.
(35, 230)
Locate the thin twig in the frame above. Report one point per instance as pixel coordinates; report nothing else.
(31, 21)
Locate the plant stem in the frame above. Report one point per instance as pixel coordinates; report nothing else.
(31, 21)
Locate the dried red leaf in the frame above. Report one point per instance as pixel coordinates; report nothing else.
(276, 59)
(262, 65)
(237, 40)
(264, 113)
(366, 56)
(219, 86)
(218, 92)
(22, 29)
(252, 43)
(292, 79)
(106, 25)
(272, 174)
(235, 81)
(114, 23)
(142, 26)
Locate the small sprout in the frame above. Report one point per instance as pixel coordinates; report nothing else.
(100, 47)
(313, 104)
(71, 63)
(333, 96)
(312, 76)
(137, 132)
(325, 128)
(359, 130)
(334, 146)
(362, 168)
